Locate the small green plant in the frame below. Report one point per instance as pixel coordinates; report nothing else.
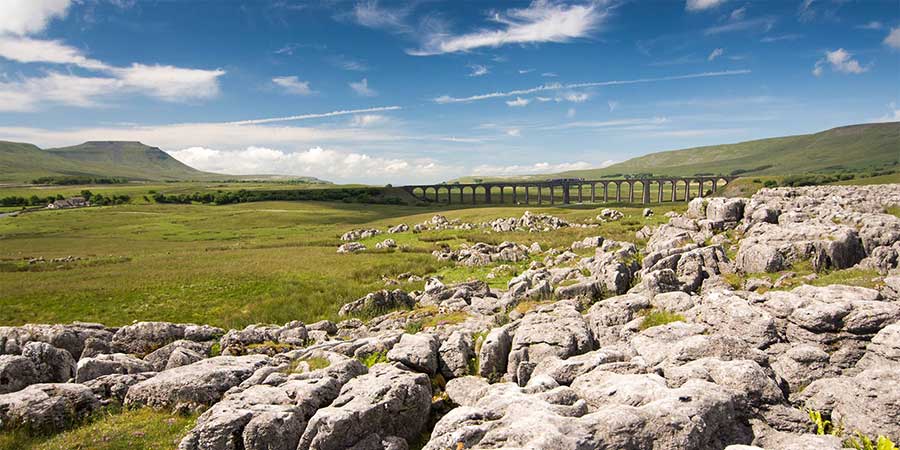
(374, 358)
(413, 326)
(655, 317)
(215, 349)
(822, 423)
(862, 442)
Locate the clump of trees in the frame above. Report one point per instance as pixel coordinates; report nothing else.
(73, 180)
(34, 200)
(105, 200)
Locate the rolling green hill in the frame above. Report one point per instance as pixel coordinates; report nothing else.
(851, 148)
(133, 161)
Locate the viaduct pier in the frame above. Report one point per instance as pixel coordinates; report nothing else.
(569, 190)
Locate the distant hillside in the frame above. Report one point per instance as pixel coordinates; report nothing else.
(134, 161)
(850, 148)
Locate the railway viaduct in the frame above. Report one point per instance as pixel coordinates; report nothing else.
(569, 189)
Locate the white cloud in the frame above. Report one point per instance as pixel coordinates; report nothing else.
(342, 112)
(368, 120)
(557, 86)
(763, 24)
(478, 70)
(549, 75)
(27, 50)
(893, 38)
(873, 25)
(780, 37)
(31, 93)
(701, 5)
(519, 101)
(514, 132)
(23, 17)
(817, 69)
(524, 71)
(892, 116)
(537, 168)
(840, 61)
(542, 21)
(316, 161)
(574, 97)
(293, 85)
(350, 64)
(738, 14)
(715, 54)
(571, 113)
(171, 83)
(362, 88)
(371, 14)
(612, 105)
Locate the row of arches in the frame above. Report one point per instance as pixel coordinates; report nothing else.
(627, 190)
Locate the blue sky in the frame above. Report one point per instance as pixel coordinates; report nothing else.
(403, 92)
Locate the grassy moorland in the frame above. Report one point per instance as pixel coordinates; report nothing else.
(849, 149)
(235, 264)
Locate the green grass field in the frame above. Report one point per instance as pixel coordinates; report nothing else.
(232, 265)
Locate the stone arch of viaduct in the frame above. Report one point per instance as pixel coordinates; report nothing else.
(566, 191)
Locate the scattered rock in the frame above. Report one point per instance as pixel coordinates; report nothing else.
(47, 407)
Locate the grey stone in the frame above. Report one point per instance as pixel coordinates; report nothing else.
(386, 401)
(417, 351)
(868, 402)
(801, 365)
(111, 389)
(145, 337)
(190, 387)
(16, 372)
(883, 350)
(159, 358)
(261, 417)
(466, 391)
(555, 330)
(494, 353)
(90, 368)
(53, 365)
(46, 407)
(455, 354)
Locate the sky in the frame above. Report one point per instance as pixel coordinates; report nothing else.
(423, 91)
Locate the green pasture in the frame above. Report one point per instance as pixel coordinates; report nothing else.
(237, 264)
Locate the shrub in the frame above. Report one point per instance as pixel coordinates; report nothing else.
(374, 358)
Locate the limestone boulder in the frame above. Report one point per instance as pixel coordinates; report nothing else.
(144, 337)
(17, 372)
(607, 317)
(801, 365)
(555, 330)
(47, 407)
(379, 301)
(111, 389)
(388, 401)
(71, 337)
(494, 353)
(261, 417)
(868, 402)
(178, 353)
(883, 350)
(53, 365)
(417, 351)
(114, 363)
(455, 354)
(196, 385)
